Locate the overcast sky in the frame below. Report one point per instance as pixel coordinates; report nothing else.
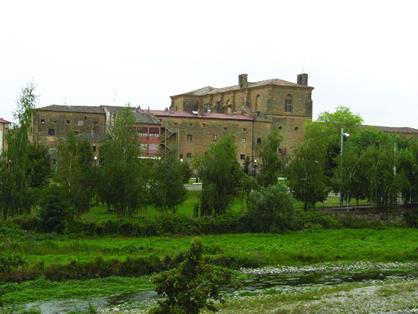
(361, 54)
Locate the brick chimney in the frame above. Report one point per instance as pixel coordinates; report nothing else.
(302, 79)
(243, 81)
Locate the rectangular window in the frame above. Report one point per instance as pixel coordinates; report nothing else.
(154, 131)
(189, 137)
(242, 156)
(51, 132)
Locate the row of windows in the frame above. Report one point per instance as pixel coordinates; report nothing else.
(288, 103)
(189, 155)
(214, 138)
(79, 122)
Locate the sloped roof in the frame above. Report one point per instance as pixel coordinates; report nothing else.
(65, 108)
(398, 130)
(209, 90)
(141, 116)
(206, 115)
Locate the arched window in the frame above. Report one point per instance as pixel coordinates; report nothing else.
(257, 102)
(288, 103)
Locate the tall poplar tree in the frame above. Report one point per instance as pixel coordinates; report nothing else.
(16, 196)
(121, 181)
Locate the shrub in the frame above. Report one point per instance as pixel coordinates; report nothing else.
(54, 212)
(314, 219)
(271, 209)
(411, 217)
(192, 286)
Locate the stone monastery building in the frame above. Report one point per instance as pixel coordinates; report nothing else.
(195, 120)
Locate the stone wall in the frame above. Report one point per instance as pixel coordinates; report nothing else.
(194, 136)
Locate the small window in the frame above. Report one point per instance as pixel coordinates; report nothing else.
(189, 137)
(154, 131)
(288, 103)
(243, 140)
(259, 140)
(189, 155)
(51, 132)
(242, 156)
(215, 137)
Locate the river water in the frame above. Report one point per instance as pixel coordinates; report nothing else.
(257, 281)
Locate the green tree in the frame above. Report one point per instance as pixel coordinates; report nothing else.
(40, 168)
(167, 183)
(192, 286)
(122, 183)
(221, 177)
(75, 171)
(54, 210)
(407, 158)
(326, 132)
(306, 175)
(16, 195)
(271, 209)
(270, 162)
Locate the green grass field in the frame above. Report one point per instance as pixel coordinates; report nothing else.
(391, 244)
(101, 214)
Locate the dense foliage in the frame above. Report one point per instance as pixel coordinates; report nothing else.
(221, 176)
(271, 209)
(121, 183)
(23, 167)
(75, 172)
(54, 212)
(271, 165)
(167, 183)
(192, 286)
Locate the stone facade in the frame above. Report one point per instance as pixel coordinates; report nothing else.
(4, 126)
(52, 123)
(191, 135)
(266, 104)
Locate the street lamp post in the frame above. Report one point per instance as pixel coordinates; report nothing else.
(342, 135)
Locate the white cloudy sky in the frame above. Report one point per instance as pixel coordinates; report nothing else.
(362, 54)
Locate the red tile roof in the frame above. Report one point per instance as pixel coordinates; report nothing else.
(206, 115)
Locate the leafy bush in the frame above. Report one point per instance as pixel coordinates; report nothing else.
(314, 219)
(411, 217)
(271, 209)
(54, 212)
(192, 286)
